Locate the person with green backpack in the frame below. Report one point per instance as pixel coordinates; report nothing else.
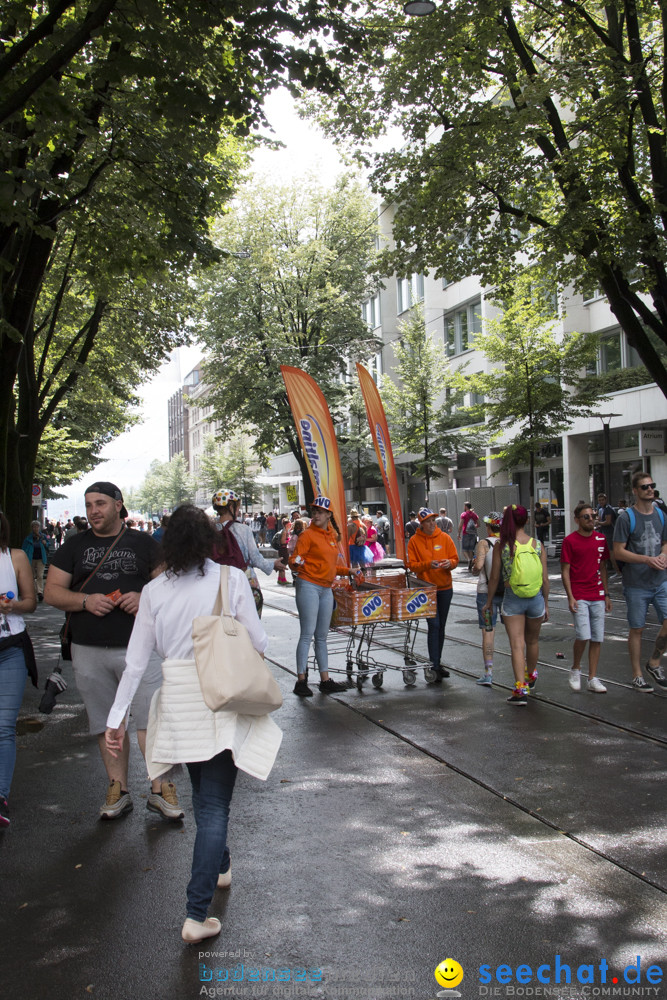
(521, 561)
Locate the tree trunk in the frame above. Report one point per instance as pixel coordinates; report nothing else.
(531, 500)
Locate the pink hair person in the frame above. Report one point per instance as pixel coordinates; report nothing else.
(513, 517)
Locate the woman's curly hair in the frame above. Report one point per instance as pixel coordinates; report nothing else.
(188, 540)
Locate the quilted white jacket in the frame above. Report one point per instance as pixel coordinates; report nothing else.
(182, 728)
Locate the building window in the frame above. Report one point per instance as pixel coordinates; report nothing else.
(614, 353)
(461, 325)
(609, 359)
(408, 291)
(371, 312)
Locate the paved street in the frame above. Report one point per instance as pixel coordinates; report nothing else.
(400, 826)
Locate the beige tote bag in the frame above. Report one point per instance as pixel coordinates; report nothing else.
(232, 674)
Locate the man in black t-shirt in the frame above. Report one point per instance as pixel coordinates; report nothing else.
(97, 577)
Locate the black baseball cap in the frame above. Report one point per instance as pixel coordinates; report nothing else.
(109, 490)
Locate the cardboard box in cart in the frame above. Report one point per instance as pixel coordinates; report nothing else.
(361, 605)
(410, 597)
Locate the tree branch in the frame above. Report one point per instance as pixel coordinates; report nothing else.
(93, 20)
(35, 35)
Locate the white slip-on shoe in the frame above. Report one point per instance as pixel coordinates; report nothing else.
(225, 878)
(596, 686)
(194, 931)
(575, 680)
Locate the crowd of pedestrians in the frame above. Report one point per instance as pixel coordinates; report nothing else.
(130, 596)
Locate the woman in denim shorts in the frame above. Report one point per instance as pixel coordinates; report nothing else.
(522, 616)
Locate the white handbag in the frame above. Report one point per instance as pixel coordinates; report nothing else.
(232, 674)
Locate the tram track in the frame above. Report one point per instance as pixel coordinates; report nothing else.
(537, 696)
(358, 709)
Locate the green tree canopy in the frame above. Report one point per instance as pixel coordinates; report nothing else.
(421, 402)
(165, 486)
(538, 384)
(355, 445)
(533, 127)
(232, 466)
(119, 131)
(291, 295)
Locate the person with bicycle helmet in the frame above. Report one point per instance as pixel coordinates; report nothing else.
(226, 504)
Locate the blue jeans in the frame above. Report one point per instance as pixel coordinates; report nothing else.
(13, 676)
(212, 786)
(639, 600)
(436, 626)
(315, 607)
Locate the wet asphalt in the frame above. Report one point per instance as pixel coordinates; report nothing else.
(400, 826)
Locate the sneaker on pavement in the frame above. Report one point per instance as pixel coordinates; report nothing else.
(658, 675)
(596, 686)
(4, 813)
(165, 802)
(639, 684)
(575, 680)
(117, 802)
(444, 672)
(301, 688)
(531, 679)
(486, 679)
(331, 686)
(519, 696)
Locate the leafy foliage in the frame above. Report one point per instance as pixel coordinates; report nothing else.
(165, 486)
(122, 125)
(531, 127)
(231, 466)
(355, 445)
(302, 263)
(539, 385)
(421, 421)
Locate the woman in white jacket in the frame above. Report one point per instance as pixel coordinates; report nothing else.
(181, 729)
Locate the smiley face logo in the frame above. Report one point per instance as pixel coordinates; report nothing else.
(449, 973)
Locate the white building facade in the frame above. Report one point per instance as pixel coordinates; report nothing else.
(573, 466)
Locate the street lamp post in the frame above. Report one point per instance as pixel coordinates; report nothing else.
(606, 419)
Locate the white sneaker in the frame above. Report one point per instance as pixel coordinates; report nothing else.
(596, 686)
(575, 680)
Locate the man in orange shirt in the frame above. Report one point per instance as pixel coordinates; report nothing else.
(432, 556)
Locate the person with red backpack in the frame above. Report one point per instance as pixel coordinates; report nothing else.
(522, 563)
(241, 549)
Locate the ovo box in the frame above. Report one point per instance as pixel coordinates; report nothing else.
(410, 597)
(361, 605)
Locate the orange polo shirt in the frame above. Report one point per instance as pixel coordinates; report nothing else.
(425, 549)
(317, 548)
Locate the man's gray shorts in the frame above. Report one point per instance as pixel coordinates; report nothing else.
(589, 621)
(97, 672)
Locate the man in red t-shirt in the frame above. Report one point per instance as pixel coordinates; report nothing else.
(270, 526)
(584, 573)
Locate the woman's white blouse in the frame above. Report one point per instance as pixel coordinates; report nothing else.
(167, 608)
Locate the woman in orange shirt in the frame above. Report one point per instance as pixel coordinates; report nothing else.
(432, 556)
(315, 565)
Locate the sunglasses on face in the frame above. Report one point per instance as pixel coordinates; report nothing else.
(647, 486)
(586, 517)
